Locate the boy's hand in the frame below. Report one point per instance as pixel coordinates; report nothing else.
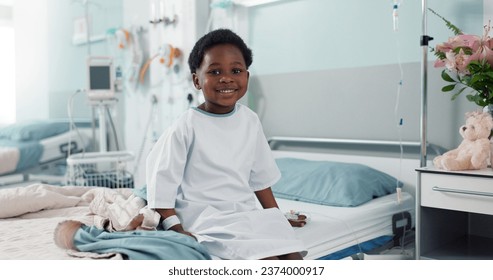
(178, 228)
(299, 222)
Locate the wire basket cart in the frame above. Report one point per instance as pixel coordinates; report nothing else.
(101, 169)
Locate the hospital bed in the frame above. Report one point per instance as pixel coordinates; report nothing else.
(369, 225)
(343, 224)
(31, 148)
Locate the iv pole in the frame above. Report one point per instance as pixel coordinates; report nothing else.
(424, 84)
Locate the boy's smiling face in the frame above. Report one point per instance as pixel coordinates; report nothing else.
(223, 78)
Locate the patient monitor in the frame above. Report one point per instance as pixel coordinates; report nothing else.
(100, 78)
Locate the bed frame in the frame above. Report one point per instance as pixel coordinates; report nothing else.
(400, 159)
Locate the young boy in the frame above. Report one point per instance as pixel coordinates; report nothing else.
(206, 170)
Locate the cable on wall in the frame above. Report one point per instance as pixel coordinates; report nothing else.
(113, 129)
(70, 106)
(152, 112)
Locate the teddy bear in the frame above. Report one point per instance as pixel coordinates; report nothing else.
(474, 151)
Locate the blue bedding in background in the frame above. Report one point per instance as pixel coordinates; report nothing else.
(25, 137)
(331, 183)
(33, 130)
(30, 152)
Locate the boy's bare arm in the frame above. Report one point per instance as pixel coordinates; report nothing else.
(166, 213)
(267, 200)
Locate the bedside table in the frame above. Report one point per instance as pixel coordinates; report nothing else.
(454, 214)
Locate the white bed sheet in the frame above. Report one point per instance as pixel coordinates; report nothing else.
(30, 236)
(331, 229)
(29, 216)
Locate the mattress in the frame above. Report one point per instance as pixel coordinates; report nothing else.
(331, 229)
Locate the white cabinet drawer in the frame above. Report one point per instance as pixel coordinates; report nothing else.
(457, 192)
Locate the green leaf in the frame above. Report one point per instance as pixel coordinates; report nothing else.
(490, 75)
(446, 76)
(477, 99)
(450, 26)
(466, 50)
(476, 78)
(448, 88)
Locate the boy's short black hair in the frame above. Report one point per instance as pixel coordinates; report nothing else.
(213, 38)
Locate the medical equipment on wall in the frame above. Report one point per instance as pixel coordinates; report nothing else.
(123, 38)
(101, 91)
(395, 14)
(221, 15)
(101, 78)
(126, 42)
(158, 14)
(167, 55)
(83, 26)
(137, 56)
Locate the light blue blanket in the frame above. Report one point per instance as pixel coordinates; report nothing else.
(140, 244)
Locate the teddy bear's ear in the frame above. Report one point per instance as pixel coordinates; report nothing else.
(473, 114)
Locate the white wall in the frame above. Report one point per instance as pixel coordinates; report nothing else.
(49, 67)
(142, 124)
(332, 69)
(7, 67)
(32, 56)
(488, 11)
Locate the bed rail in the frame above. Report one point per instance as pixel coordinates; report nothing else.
(277, 141)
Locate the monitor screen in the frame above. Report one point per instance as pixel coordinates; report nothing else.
(99, 77)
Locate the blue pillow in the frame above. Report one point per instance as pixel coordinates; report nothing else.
(33, 130)
(331, 183)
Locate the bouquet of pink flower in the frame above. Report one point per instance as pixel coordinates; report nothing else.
(468, 62)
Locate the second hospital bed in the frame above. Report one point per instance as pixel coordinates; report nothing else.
(36, 146)
(333, 231)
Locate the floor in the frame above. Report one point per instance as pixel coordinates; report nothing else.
(404, 251)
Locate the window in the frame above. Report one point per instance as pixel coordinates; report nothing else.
(7, 72)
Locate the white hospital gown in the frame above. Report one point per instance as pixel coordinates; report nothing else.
(207, 167)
